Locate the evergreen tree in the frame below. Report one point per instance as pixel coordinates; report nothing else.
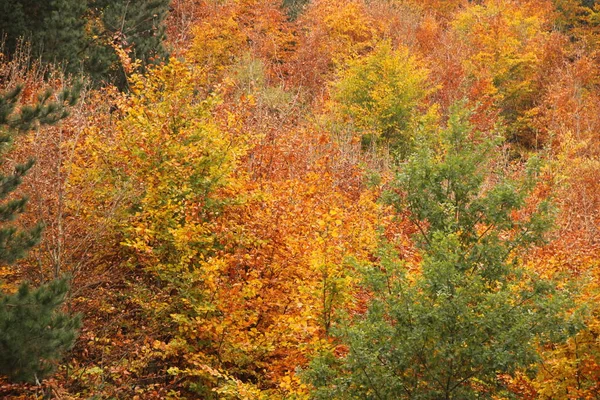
(139, 24)
(54, 29)
(472, 313)
(82, 35)
(13, 243)
(135, 25)
(20, 19)
(61, 36)
(32, 332)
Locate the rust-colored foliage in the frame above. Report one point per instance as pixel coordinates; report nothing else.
(227, 32)
(210, 217)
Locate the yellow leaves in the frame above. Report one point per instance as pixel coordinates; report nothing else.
(349, 26)
(570, 370)
(334, 32)
(129, 65)
(227, 386)
(505, 39)
(164, 169)
(237, 261)
(231, 29)
(294, 388)
(380, 93)
(329, 225)
(252, 289)
(506, 44)
(217, 43)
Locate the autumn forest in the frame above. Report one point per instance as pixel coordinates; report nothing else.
(300, 199)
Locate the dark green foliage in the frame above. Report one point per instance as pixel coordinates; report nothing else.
(20, 19)
(45, 112)
(138, 25)
(473, 313)
(55, 29)
(14, 243)
(61, 37)
(82, 34)
(34, 334)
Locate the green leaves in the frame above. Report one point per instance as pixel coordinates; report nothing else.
(472, 313)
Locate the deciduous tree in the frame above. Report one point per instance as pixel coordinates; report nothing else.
(472, 312)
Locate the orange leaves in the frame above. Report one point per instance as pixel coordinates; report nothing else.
(571, 370)
(290, 236)
(333, 32)
(443, 8)
(347, 27)
(222, 199)
(229, 31)
(255, 269)
(505, 42)
(217, 44)
(160, 171)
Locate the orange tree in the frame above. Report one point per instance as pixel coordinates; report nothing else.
(506, 41)
(236, 279)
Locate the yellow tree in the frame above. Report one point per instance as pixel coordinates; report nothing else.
(506, 40)
(166, 170)
(382, 94)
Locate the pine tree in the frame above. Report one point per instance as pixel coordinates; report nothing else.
(82, 35)
(13, 243)
(140, 25)
(61, 36)
(32, 332)
(20, 19)
(54, 30)
(134, 25)
(472, 313)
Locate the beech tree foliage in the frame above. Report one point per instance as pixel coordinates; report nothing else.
(381, 93)
(297, 189)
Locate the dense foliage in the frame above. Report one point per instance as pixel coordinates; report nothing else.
(33, 333)
(267, 199)
(88, 36)
(472, 314)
